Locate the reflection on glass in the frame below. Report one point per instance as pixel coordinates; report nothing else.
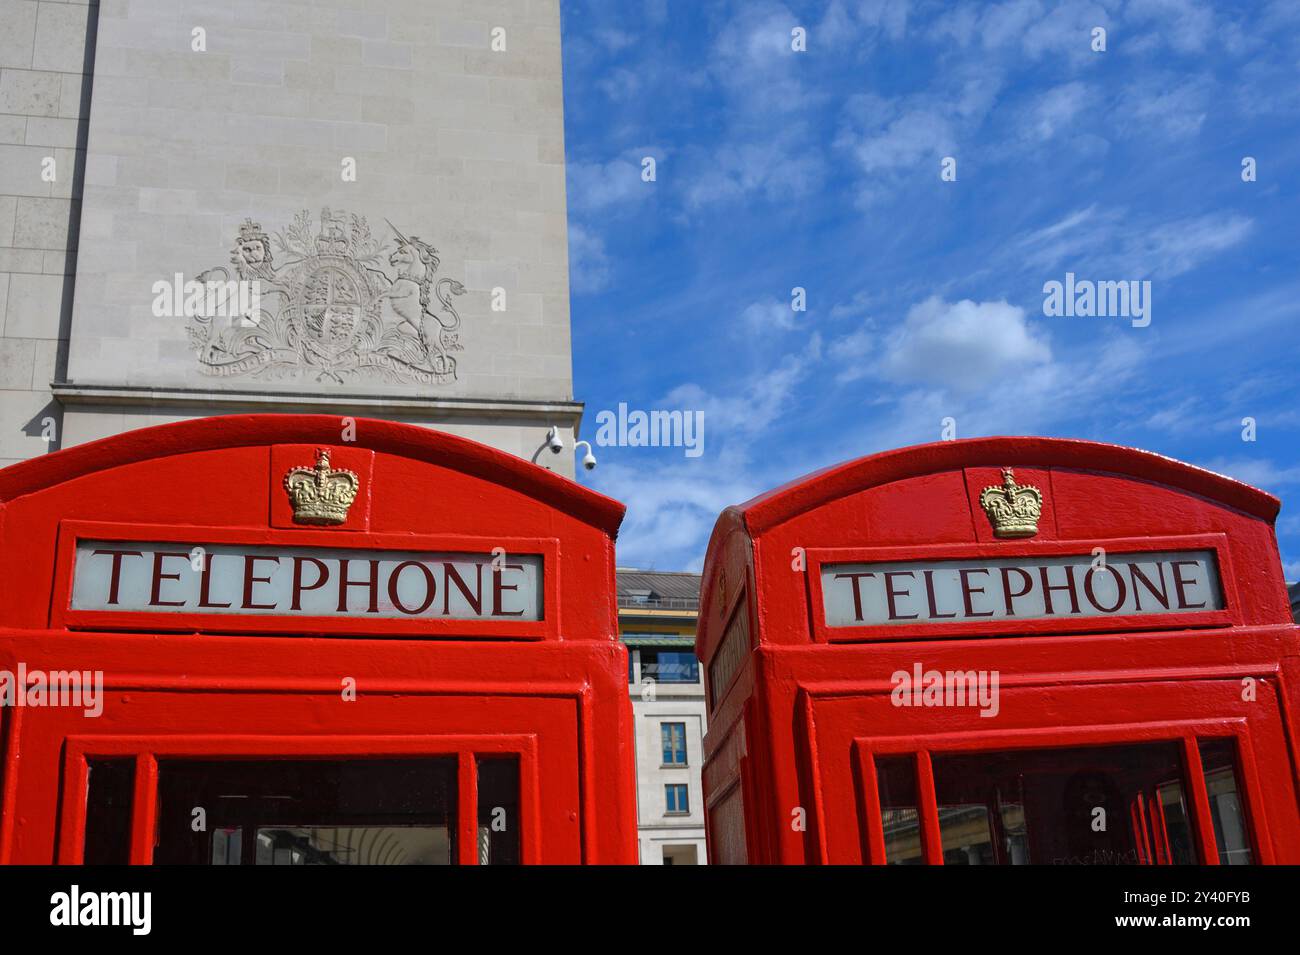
(227, 845)
(308, 811)
(896, 782)
(1096, 805)
(356, 845)
(110, 788)
(1015, 842)
(498, 810)
(967, 835)
(1219, 760)
(1177, 847)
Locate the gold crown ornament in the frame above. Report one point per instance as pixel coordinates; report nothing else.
(1013, 508)
(321, 495)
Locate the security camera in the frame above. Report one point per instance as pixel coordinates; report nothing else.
(554, 441)
(589, 461)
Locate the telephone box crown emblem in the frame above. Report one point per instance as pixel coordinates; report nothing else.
(321, 494)
(1012, 508)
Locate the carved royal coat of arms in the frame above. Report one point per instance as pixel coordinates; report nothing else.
(331, 306)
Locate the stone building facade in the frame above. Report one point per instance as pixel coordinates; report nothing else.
(657, 616)
(215, 206)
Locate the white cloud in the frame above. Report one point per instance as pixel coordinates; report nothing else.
(1175, 105)
(1184, 25)
(1110, 245)
(905, 142)
(962, 346)
(780, 169)
(589, 266)
(612, 39)
(1006, 23)
(1178, 247)
(756, 402)
(754, 61)
(672, 505)
(855, 353)
(1056, 109)
(1065, 32)
(1055, 397)
(1259, 472)
(595, 186)
(673, 501)
(768, 314)
(861, 23)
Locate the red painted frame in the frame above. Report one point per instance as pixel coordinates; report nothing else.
(1185, 732)
(63, 616)
(1218, 543)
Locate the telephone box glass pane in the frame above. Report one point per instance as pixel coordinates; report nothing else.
(1219, 760)
(967, 834)
(110, 788)
(896, 782)
(1097, 805)
(307, 811)
(498, 810)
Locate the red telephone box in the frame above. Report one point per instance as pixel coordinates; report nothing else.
(1004, 650)
(304, 639)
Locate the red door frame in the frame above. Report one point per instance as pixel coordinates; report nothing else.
(147, 750)
(1186, 732)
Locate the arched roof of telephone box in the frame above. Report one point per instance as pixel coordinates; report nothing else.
(257, 430)
(803, 494)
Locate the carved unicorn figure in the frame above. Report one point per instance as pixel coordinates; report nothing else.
(411, 291)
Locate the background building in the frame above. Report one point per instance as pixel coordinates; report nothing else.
(657, 614)
(391, 174)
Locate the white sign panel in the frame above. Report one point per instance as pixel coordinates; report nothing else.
(303, 581)
(1019, 588)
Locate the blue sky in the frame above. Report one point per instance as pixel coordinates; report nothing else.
(821, 169)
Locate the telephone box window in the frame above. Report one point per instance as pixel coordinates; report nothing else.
(498, 810)
(307, 812)
(1104, 805)
(1219, 760)
(110, 788)
(670, 666)
(896, 780)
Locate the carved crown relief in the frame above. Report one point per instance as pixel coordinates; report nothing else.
(332, 307)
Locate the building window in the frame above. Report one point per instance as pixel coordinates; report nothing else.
(674, 740)
(670, 666)
(678, 803)
(681, 855)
